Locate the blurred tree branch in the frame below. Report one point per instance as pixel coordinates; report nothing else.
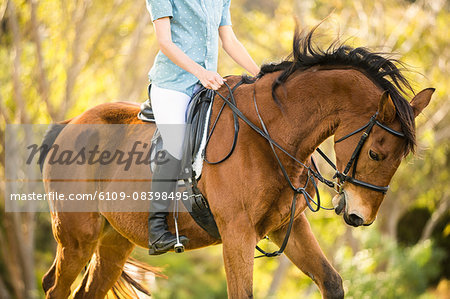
(278, 275)
(42, 78)
(16, 54)
(76, 64)
(129, 79)
(3, 7)
(3, 292)
(442, 209)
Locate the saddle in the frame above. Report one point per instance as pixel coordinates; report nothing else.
(197, 118)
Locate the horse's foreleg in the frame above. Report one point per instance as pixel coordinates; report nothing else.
(238, 251)
(304, 251)
(106, 265)
(77, 235)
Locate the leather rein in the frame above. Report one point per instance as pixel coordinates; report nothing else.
(312, 172)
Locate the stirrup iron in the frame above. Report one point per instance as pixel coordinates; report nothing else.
(178, 247)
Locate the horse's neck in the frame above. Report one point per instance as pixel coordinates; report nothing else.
(313, 104)
(306, 116)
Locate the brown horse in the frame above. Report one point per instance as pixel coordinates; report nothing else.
(304, 100)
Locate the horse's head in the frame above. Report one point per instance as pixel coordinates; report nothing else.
(376, 157)
(340, 91)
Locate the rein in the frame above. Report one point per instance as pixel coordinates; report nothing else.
(312, 173)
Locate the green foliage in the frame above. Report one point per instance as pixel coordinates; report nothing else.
(384, 269)
(194, 274)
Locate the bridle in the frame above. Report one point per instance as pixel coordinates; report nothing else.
(312, 172)
(343, 176)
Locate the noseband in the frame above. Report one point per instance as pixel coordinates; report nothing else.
(343, 176)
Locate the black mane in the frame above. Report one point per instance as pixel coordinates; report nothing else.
(382, 70)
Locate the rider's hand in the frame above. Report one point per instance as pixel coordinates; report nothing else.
(210, 80)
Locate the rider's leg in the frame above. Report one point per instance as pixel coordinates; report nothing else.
(169, 108)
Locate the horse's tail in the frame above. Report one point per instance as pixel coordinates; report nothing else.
(49, 138)
(134, 275)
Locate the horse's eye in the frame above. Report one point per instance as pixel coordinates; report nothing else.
(374, 156)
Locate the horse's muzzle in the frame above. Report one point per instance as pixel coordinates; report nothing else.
(340, 202)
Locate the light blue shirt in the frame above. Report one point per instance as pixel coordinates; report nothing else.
(194, 26)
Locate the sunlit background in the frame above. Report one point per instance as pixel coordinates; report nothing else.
(59, 58)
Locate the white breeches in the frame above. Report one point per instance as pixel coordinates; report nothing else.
(169, 108)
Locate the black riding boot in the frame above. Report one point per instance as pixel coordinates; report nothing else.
(164, 180)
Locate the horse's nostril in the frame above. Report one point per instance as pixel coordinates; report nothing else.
(355, 219)
(341, 205)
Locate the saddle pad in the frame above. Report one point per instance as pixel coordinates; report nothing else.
(197, 163)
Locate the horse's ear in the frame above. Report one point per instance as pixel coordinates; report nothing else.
(386, 109)
(421, 100)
